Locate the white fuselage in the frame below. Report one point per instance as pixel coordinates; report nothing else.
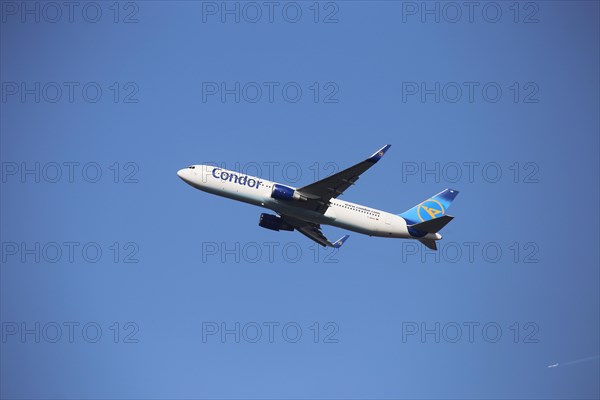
(257, 191)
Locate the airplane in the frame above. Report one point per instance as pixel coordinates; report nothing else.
(306, 208)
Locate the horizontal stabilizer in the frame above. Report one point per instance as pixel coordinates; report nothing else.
(430, 243)
(433, 225)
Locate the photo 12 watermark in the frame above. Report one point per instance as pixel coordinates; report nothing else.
(270, 332)
(69, 12)
(72, 172)
(470, 92)
(523, 172)
(69, 92)
(69, 252)
(470, 332)
(268, 252)
(270, 12)
(471, 252)
(270, 92)
(470, 12)
(70, 332)
(289, 172)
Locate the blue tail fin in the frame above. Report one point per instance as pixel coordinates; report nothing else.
(431, 208)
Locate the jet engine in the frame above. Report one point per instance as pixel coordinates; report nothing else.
(281, 192)
(274, 223)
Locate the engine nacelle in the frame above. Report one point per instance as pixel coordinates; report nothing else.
(274, 223)
(281, 192)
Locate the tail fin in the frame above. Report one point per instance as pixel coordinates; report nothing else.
(432, 208)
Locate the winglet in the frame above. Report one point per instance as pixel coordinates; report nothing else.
(379, 153)
(337, 244)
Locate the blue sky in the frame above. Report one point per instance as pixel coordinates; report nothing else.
(120, 281)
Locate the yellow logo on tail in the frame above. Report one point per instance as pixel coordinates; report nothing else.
(432, 211)
(432, 207)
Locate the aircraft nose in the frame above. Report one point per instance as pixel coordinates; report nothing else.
(182, 173)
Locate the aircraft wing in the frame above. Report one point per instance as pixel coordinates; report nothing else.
(319, 193)
(313, 232)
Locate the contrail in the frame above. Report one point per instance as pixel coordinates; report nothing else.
(575, 361)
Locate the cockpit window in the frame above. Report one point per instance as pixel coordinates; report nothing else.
(192, 167)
